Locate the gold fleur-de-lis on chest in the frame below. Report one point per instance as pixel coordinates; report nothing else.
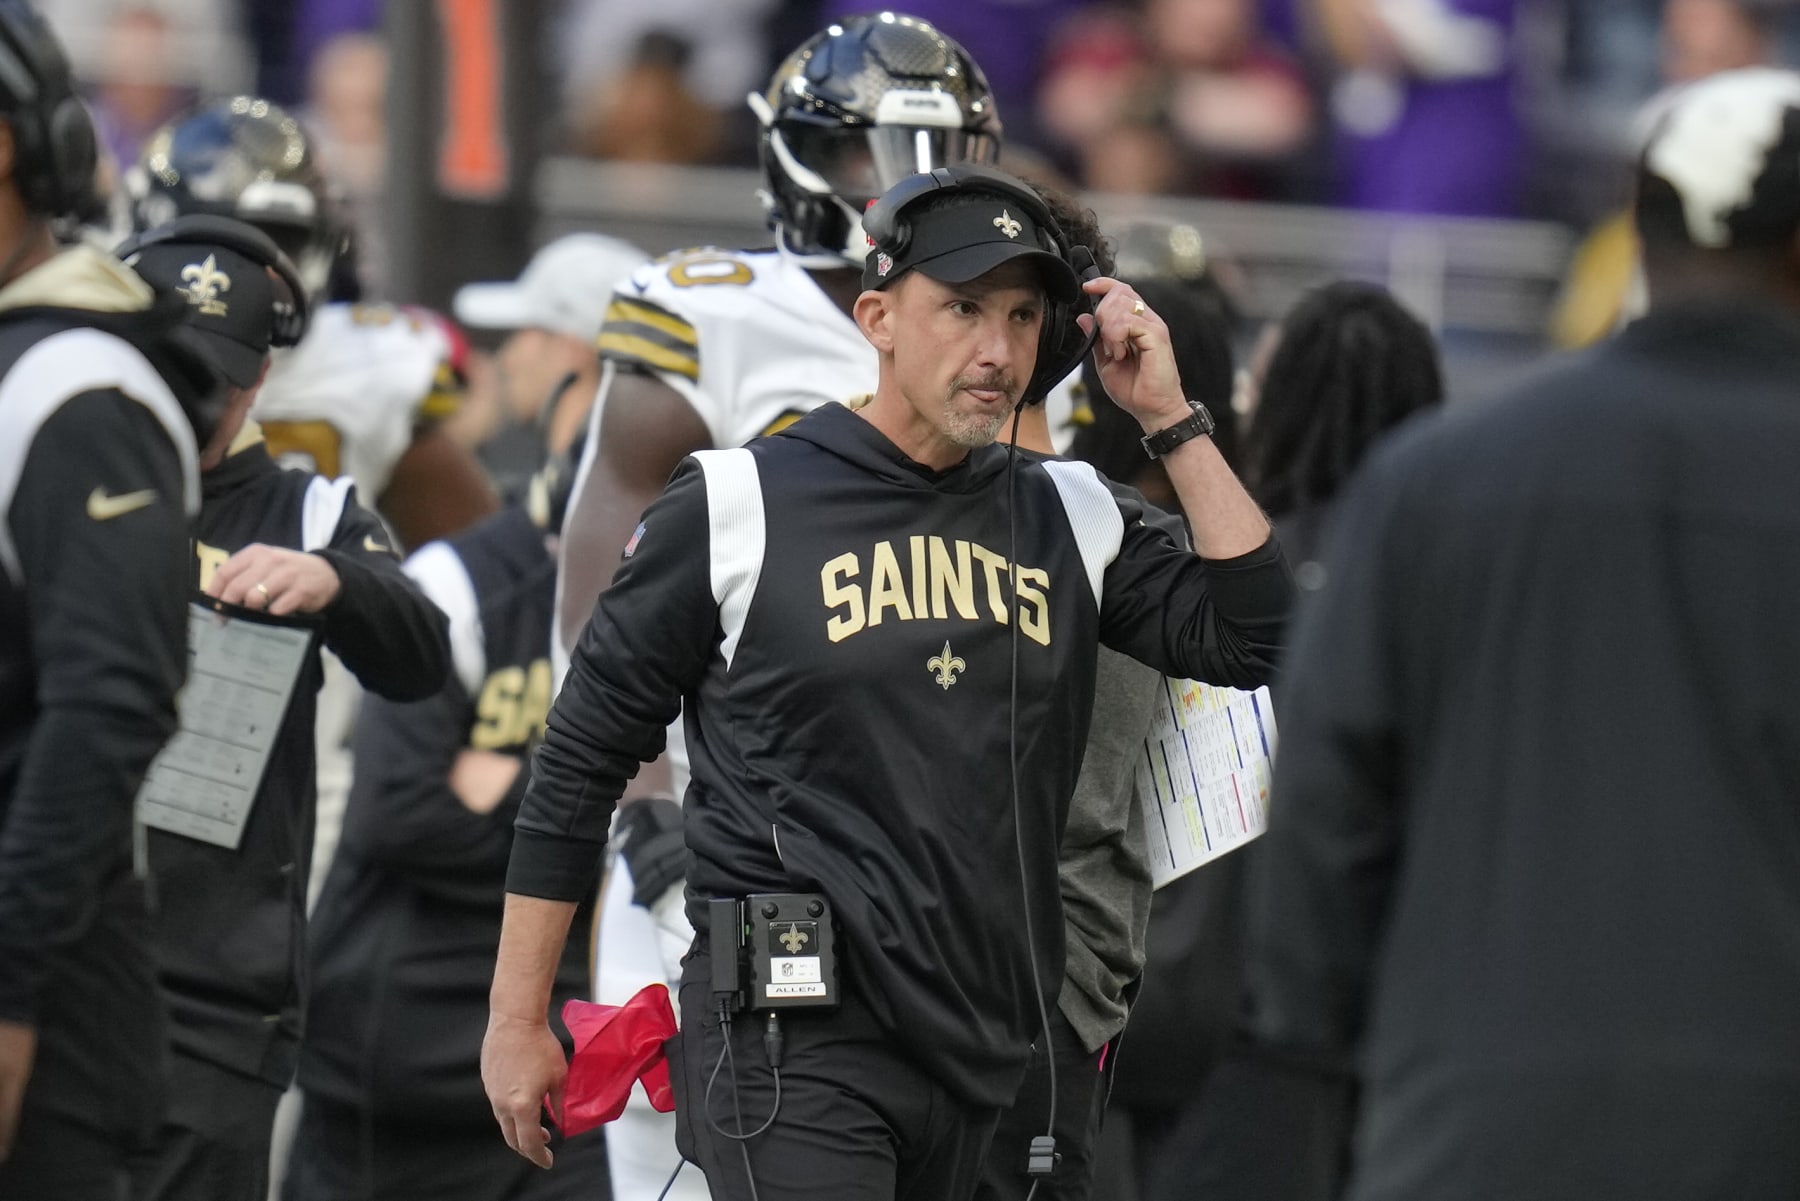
(944, 667)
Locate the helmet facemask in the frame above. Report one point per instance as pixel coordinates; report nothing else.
(858, 108)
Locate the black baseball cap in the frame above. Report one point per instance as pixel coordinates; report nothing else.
(965, 236)
(231, 301)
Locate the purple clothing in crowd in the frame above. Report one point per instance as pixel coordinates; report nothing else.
(1456, 147)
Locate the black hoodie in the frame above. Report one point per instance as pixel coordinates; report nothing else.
(840, 633)
(97, 480)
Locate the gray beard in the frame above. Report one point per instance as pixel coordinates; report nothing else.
(971, 430)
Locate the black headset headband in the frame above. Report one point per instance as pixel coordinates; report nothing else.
(54, 137)
(239, 237)
(1061, 345)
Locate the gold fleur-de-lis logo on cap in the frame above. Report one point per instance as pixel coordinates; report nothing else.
(204, 283)
(1006, 225)
(944, 667)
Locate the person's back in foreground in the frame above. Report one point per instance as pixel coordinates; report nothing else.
(1534, 856)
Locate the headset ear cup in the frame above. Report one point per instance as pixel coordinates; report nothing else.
(74, 158)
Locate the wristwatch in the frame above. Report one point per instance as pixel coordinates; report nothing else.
(1197, 424)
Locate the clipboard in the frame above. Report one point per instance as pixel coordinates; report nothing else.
(243, 666)
(1203, 777)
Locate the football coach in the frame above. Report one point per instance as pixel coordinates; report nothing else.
(884, 631)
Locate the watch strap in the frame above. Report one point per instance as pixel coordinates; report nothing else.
(1197, 424)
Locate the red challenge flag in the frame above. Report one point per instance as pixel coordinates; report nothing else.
(615, 1047)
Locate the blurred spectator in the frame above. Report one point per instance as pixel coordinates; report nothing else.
(209, 52)
(347, 116)
(1099, 79)
(1704, 37)
(701, 56)
(1424, 104)
(1350, 363)
(1008, 38)
(648, 113)
(1235, 101)
(547, 369)
(142, 84)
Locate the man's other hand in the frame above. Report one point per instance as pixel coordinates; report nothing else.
(521, 1064)
(18, 1047)
(277, 581)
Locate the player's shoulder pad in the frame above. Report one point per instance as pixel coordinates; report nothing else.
(657, 316)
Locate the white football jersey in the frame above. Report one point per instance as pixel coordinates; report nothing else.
(749, 340)
(345, 400)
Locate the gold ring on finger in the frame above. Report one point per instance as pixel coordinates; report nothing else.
(1137, 309)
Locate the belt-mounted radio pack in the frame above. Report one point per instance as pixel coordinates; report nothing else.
(774, 951)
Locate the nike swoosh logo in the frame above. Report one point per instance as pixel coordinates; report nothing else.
(369, 544)
(102, 507)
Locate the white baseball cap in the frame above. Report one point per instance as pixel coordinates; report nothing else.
(565, 287)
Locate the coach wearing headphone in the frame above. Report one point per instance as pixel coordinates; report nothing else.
(885, 630)
(231, 920)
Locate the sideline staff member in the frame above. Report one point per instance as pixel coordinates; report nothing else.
(1552, 950)
(844, 646)
(98, 417)
(231, 922)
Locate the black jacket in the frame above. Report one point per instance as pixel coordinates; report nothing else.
(840, 634)
(404, 934)
(1532, 876)
(231, 923)
(97, 481)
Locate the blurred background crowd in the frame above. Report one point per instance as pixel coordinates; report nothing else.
(1468, 107)
(1306, 139)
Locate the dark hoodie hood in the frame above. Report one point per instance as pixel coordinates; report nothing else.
(842, 432)
(83, 286)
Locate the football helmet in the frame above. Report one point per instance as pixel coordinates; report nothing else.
(857, 108)
(244, 158)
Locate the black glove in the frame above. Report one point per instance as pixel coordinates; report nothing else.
(650, 841)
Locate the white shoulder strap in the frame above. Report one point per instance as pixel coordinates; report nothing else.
(442, 576)
(1093, 516)
(64, 366)
(738, 538)
(322, 509)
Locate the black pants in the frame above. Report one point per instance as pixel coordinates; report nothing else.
(338, 1156)
(859, 1121)
(1080, 1096)
(55, 1157)
(214, 1141)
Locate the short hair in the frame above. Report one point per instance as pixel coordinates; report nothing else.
(1351, 364)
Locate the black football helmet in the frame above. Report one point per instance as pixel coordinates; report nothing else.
(856, 109)
(249, 159)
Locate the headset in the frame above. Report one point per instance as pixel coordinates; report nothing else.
(292, 313)
(54, 135)
(1061, 344)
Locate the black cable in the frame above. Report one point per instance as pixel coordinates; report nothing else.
(1012, 758)
(680, 1163)
(726, 1056)
(772, 1041)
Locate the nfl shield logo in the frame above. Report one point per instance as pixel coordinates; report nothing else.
(883, 264)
